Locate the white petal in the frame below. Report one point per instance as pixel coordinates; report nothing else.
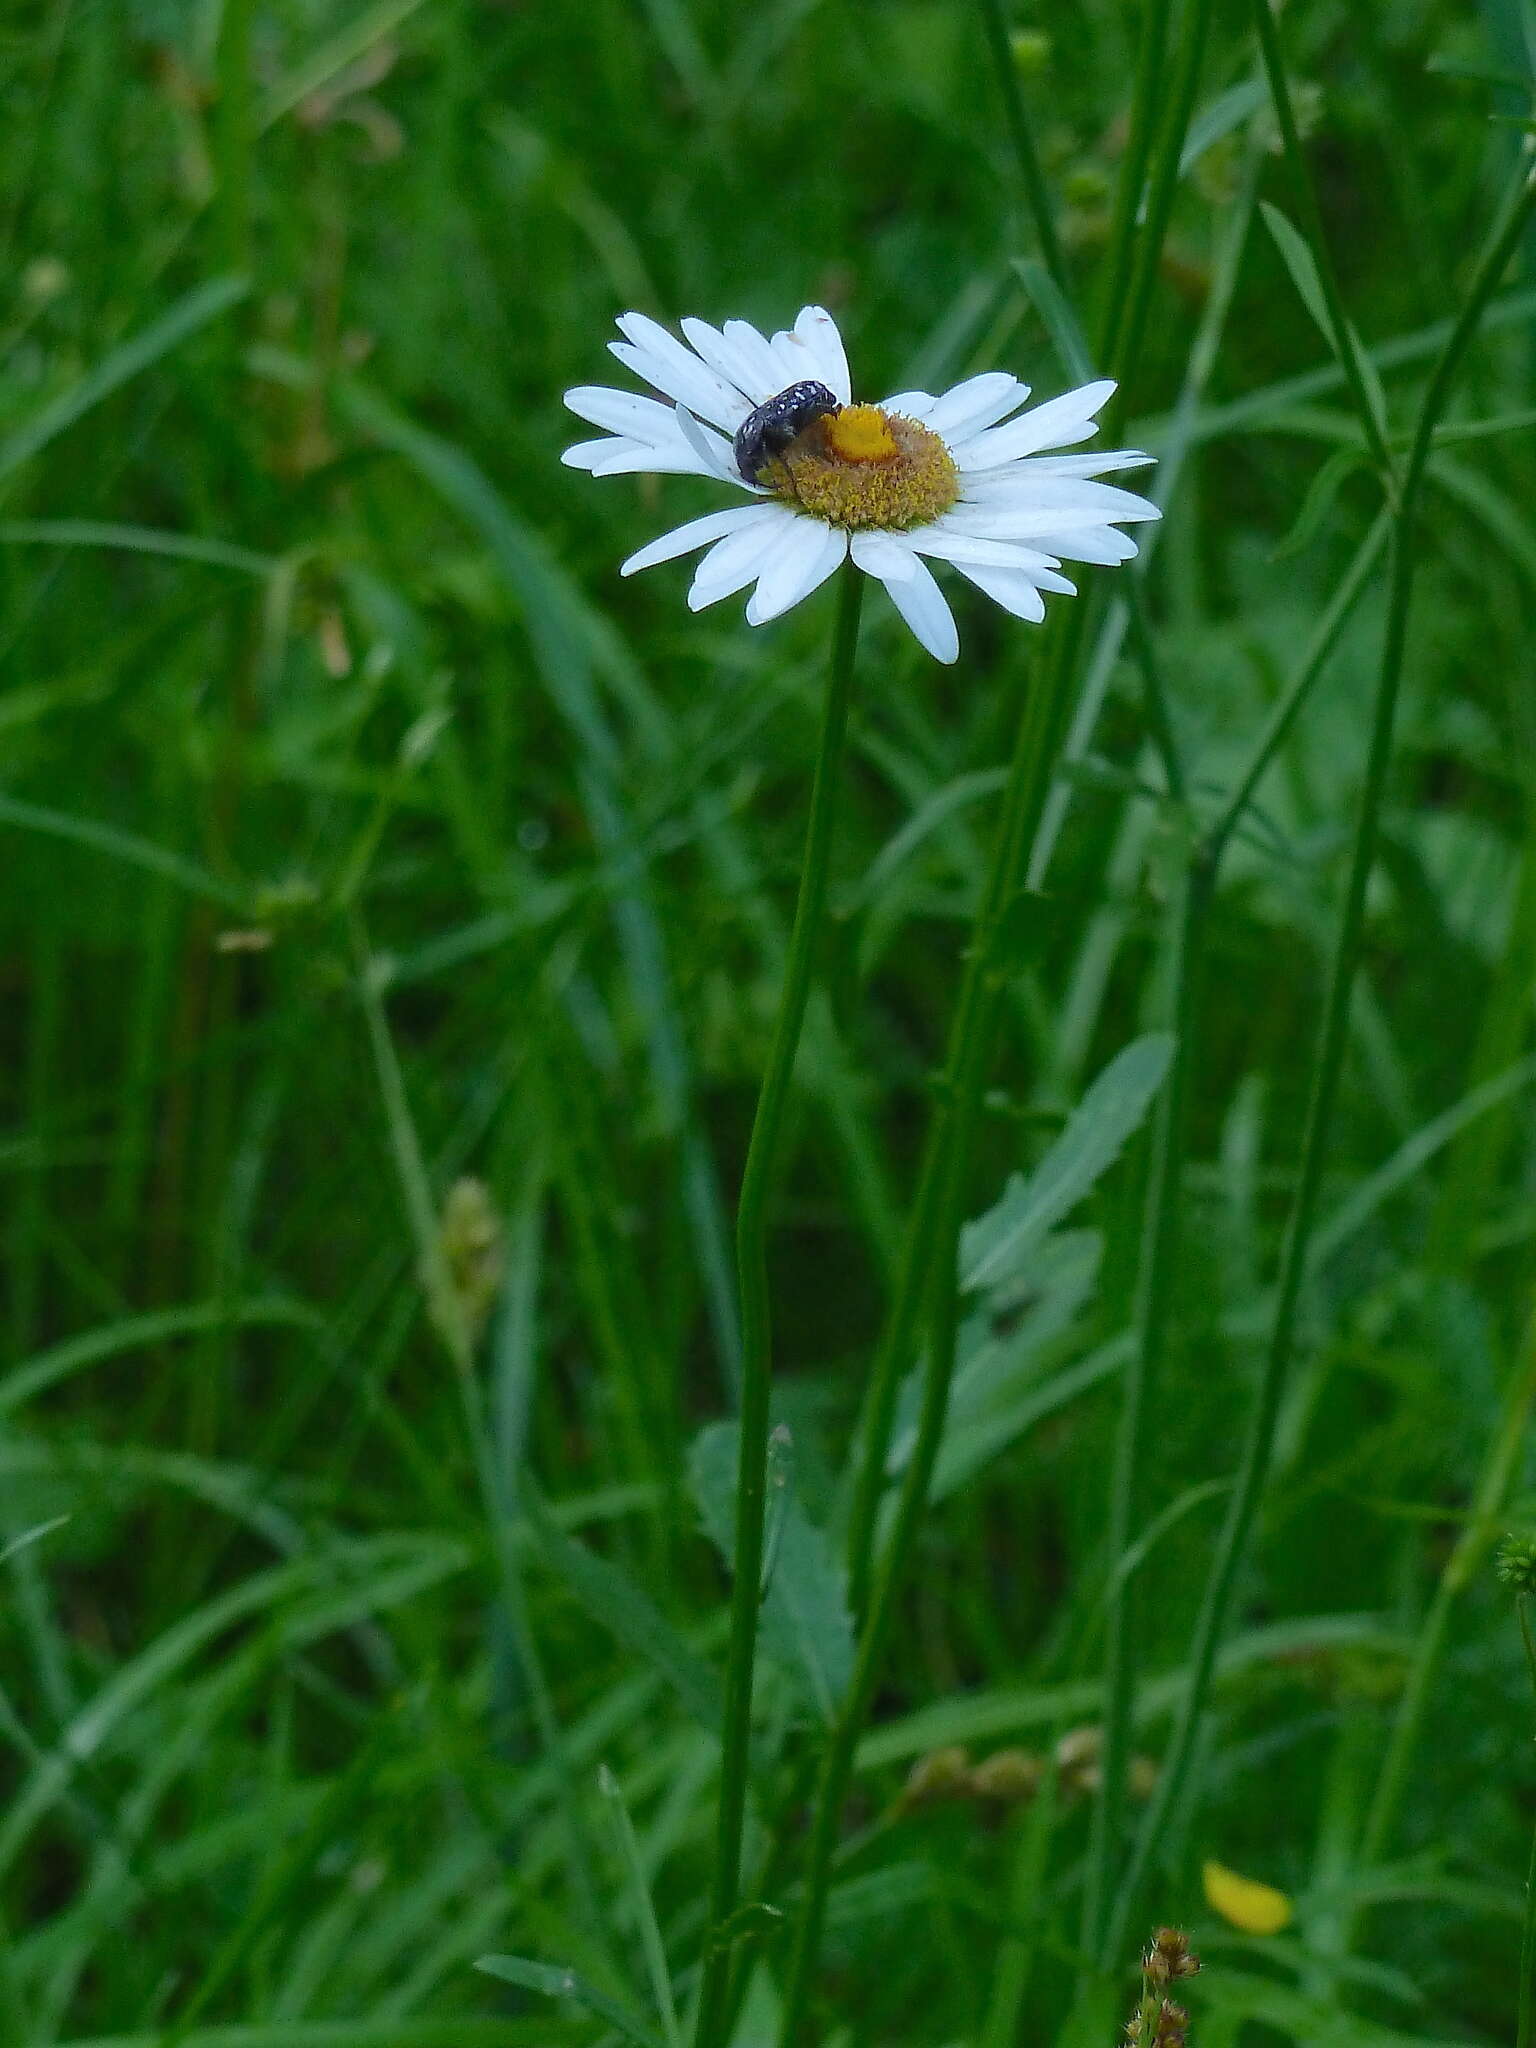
(967, 408)
(616, 456)
(816, 328)
(1074, 497)
(802, 564)
(972, 522)
(910, 585)
(1056, 424)
(661, 360)
(585, 454)
(715, 455)
(883, 555)
(912, 405)
(621, 412)
(696, 533)
(1106, 545)
(742, 557)
(1029, 515)
(970, 547)
(756, 352)
(1011, 589)
(1103, 464)
(729, 359)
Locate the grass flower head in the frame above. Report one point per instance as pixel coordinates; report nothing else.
(965, 477)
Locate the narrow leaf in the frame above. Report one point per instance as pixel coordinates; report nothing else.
(1302, 264)
(554, 1983)
(994, 1248)
(614, 1601)
(806, 1624)
(118, 366)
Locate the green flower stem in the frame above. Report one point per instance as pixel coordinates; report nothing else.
(1023, 140)
(1166, 1809)
(763, 1154)
(1346, 344)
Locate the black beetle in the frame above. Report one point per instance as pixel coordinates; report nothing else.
(769, 428)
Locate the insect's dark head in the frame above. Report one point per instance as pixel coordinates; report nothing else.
(768, 430)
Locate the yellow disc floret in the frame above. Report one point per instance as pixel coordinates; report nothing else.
(861, 433)
(862, 467)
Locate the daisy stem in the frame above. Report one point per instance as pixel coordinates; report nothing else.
(1033, 178)
(1166, 1816)
(764, 1150)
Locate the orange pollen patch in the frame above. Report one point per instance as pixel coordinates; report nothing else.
(861, 433)
(862, 468)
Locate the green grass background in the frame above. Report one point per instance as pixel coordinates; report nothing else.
(360, 830)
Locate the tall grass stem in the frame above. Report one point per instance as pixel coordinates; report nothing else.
(1037, 197)
(1158, 1253)
(1346, 344)
(1165, 1815)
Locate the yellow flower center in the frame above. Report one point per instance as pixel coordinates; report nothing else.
(862, 467)
(861, 433)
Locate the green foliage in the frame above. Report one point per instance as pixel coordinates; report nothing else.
(362, 829)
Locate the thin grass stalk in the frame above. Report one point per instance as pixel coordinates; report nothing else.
(1346, 344)
(1146, 99)
(1158, 1255)
(1157, 1266)
(763, 1155)
(1147, 246)
(1022, 804)
(1165, 1811)
(972, 1038)
(1020, 134)
(1045, 718)
(1471, 1547)
(452, 1327)
(1527, 1989)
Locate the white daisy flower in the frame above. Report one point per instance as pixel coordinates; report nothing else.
(962, 478)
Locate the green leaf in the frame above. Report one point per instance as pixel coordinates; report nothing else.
(118, 366)
(1002, 1352)
(554, 1983)
(806, 1624)
(613, 1600)
(1227, 111)
(645, 1909)
(1302, 264)
(755, 1921)
(1319, 500)
(996, 1246)
(1058, 319)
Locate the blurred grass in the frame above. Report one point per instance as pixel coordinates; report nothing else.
(306, 633)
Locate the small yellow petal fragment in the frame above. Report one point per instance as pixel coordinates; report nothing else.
(1244, 1902)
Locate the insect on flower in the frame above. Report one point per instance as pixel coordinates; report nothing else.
(771, 428)
(964, 477)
